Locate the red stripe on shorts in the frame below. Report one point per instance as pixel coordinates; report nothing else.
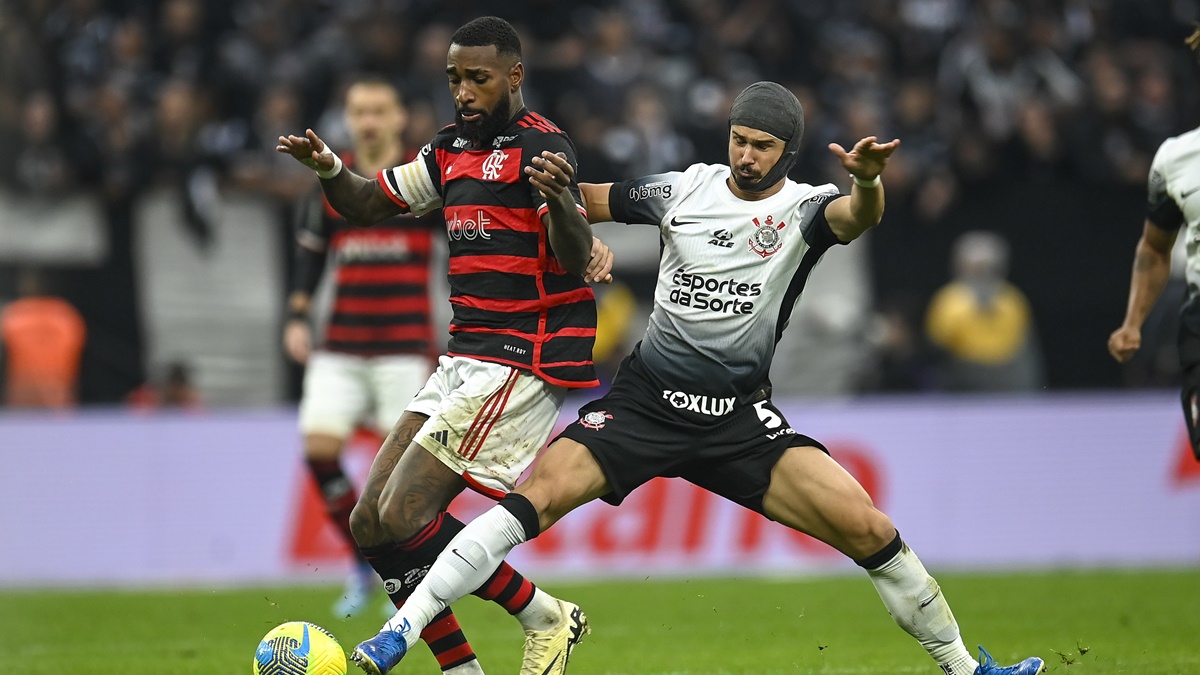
(481, 420)
(477, 443)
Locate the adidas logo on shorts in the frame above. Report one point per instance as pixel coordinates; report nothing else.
(442, 437)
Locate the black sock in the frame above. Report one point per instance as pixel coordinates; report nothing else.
(402, 566)
(339, 497)
(883, 555)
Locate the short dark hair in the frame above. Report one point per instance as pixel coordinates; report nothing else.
(489, 30)
(373, 79)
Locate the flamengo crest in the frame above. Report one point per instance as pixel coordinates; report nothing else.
(766, 240)
(493, 165)
(595, 419)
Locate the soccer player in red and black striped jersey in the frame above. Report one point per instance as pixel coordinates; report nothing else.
(693, 399)
(522, 333)
(376, 348)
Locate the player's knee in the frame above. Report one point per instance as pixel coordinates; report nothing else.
(866, 531)
(401, 518)
(364, 525)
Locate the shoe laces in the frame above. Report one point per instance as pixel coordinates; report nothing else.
(985, 659)
(536, 644)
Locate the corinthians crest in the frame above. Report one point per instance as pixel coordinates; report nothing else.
(595, 419)
(766, 239)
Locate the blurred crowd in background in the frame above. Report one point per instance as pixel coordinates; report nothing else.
(1027, 126)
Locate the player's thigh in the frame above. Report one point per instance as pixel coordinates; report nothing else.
(418, 489)
(365, 519)
(489, 427)
(335, 396)
(394, 447)
(565, 477)
(395, 381)
(812, 493)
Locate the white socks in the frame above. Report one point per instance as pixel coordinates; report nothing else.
(467, 562)
(542, 613)
(917, 604)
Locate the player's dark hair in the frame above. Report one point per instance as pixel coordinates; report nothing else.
(489, 30)
(376, 80)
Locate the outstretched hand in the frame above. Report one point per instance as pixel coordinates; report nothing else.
(550, 173)
(867, 158)
(309, 150)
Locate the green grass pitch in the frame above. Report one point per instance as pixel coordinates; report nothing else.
(1082, 623)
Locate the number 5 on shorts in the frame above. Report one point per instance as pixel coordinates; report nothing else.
(768, 417)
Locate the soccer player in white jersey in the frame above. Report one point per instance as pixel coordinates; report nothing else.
(1173, 191)
(693, 399)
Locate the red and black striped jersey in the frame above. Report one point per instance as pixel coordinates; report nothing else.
(381, 280)
(513, 302)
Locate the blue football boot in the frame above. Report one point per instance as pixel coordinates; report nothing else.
(988, 666)
(381, 653)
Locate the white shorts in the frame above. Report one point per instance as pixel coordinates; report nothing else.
(343, 391)
(487, 421)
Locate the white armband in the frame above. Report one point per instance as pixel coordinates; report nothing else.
(412, 183)
(337, 166)
(874, 182)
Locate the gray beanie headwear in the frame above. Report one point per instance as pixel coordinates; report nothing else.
(771, 107)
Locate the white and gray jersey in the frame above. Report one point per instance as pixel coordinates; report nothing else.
(1174, 201)
(730, 273)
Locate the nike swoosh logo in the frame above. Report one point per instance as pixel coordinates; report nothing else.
(550, 667)
(301, 652)
(675, 222)
(455, 552)
(931, 598)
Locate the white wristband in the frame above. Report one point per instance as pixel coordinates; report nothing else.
(874, 182)
(337, 166)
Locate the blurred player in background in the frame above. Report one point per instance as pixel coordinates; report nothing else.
(377, 346)
(1173, 192)
(521, 337)
(42, 337)
(693, 400)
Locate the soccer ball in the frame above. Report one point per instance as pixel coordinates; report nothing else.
(299, 648)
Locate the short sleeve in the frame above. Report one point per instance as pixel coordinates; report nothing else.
(557, 143)
(645, 200)
(817, 231)
(1161, 208)
(417, 185)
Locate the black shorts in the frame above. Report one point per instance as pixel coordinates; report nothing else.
(1189, 361)
(640, 430)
